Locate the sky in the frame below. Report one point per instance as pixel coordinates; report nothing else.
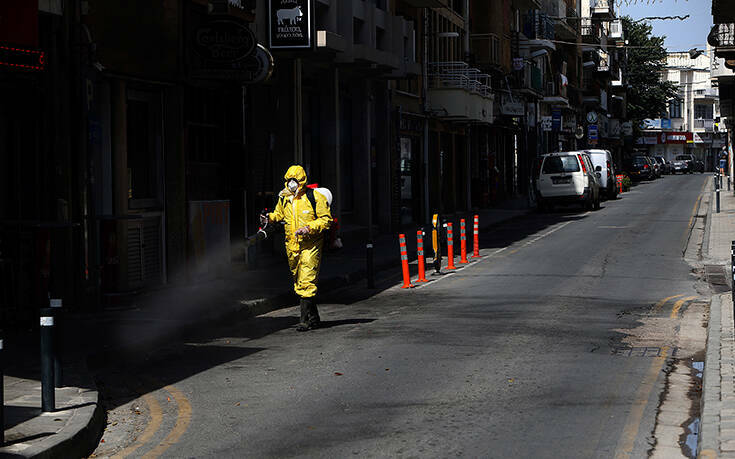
(680, 35)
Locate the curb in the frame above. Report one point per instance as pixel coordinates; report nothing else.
(79, 436)
(710, 405)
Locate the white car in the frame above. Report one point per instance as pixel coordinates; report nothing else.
(603, 159)
(568, 178)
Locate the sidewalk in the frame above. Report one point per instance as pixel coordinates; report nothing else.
(717, 433)
(158, 317)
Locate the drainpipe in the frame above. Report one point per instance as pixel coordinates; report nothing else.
(467, 30)
(424, 92)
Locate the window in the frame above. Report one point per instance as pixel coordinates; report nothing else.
(703, 111)
(559, 164)
(143, 149)
(674, 108)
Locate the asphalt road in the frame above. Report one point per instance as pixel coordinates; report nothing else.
(547, 347)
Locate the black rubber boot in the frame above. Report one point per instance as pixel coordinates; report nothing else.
(309, 315)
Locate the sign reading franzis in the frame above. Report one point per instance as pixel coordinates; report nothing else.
(290, 24)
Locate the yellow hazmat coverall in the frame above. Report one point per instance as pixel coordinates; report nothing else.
(304, 251)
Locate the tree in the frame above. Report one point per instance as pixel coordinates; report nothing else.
(648, 93)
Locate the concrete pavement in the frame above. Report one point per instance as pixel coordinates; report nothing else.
(150, 319)
(718, 402)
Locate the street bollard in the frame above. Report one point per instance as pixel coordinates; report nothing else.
(420, 255)
(450, 247)
(728, 183)
(404, 262)
(2, 392)
(462, 242)
(476, 241)
(370, 267)
(732, 265)
(58, 341)
(436, 244)
(717, 193)
(48, 395)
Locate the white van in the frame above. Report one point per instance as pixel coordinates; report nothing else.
(567, 178)
(603, 158)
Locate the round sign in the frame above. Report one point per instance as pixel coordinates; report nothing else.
(591, 117)
(663, 137)
(259, 67)
(579, 133)
(224, 40)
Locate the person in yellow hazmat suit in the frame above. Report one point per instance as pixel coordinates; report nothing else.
(305, 227)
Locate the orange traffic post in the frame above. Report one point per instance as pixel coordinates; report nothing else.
(462, 242)
(476, 242)
(450, 247)
(404, 262)
(420, 255)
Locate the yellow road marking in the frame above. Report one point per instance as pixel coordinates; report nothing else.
(150, 430)
(630, 432)
(661, 303)
(694, 209)
(678, 305)
(182, 423)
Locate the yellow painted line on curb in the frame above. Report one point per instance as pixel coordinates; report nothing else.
(182, 423)
(707, 454)
(661, 303)
(630, 431)
(694, 209)
(150, 430)
(679, 304)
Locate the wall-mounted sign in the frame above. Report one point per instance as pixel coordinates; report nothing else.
(615, 128)
(627, 128)
(222, 49)
(546, 123)
(569, 124)
(22, 59)
(258, 67)
(290, 24)
(592, 134)
(511, 107)
(556, 119)
(224, 41)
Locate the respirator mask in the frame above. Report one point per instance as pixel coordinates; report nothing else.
(293, 185)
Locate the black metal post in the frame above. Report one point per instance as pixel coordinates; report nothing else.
(717, 192)
(370, 266)
(728, 183)
(2, 392)
(58, 341)
(48, 395)
(732, 271)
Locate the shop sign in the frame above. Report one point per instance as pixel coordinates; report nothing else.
(696, 138)
(665, 123)
(648, 138)
(627, 128)
(592, 134)
(21, 58)
(546, 123)
(258, 67)
(224, 41)
(510, 107)
(569, 124)
(517, 63)
(290, 24)
(556, 119)
(614, 128)
(673, 138)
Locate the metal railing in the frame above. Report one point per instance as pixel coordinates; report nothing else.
(538, 26)
(459, 75)
(722, 35)
(703, 123)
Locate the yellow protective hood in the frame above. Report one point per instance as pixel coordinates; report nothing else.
(298, 173)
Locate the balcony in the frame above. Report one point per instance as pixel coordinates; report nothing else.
(556, 91)
(457, 92)
(538, 28)
(591, 31)
(706, 94)
(567, 26)
(722, 38)
(531, 82)
(602, 9)
(702, 124)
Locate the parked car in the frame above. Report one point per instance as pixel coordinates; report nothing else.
(568, 178)
(690, 162)
(655, 166)
(638, 168)
(679, 166)
(665, 165)
(603, 159)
